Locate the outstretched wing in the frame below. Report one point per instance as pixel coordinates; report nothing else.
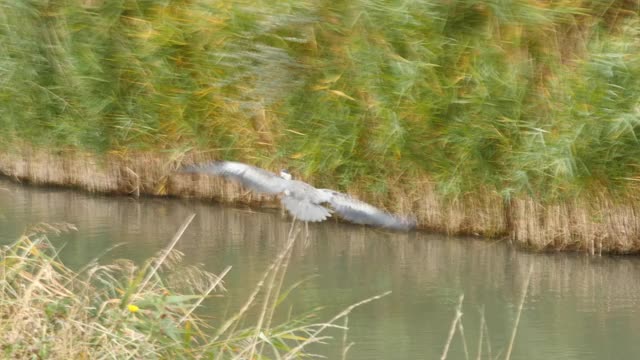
(360, 212)
(250, 176)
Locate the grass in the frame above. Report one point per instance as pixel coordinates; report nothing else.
(126, 311)
(521, 97)
(515, 101)
(457, 327)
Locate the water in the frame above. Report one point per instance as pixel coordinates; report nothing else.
(577, 307)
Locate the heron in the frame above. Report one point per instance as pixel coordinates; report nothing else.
(303, 201)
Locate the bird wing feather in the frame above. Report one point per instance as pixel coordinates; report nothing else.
(305, 210)
(360, 212)
(250, 176)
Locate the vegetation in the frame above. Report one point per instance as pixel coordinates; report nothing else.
(522, 96)
(519, 99)
(125, 311)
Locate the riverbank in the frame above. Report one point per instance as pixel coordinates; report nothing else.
(513, 120)
(592, 224)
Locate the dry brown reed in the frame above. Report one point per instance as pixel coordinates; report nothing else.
(525, 290)
(457, 326)
(452, 330)
(594, 224)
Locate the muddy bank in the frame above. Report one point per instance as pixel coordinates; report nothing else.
(596, 224)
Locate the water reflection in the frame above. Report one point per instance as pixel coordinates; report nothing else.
(578, 307)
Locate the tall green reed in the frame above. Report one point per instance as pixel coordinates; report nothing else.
(521, 97)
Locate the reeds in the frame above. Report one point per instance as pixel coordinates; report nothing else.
(462, 105)
(457, 327)
(126, 311)
(520, 97)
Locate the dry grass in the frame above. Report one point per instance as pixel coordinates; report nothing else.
(125, 311)
(457, 327)
(592, 224)
(595, 225)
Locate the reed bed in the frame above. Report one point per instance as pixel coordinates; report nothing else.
(122, 310)
(510, 119)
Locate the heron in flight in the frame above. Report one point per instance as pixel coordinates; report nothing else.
(302, 200)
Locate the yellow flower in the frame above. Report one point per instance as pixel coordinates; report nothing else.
(133, 308)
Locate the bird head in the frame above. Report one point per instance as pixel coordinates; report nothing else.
(285, 174)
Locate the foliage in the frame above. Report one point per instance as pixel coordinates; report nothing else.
(530, 97)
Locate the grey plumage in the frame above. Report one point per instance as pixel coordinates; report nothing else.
(302, 200)
(360, 212)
